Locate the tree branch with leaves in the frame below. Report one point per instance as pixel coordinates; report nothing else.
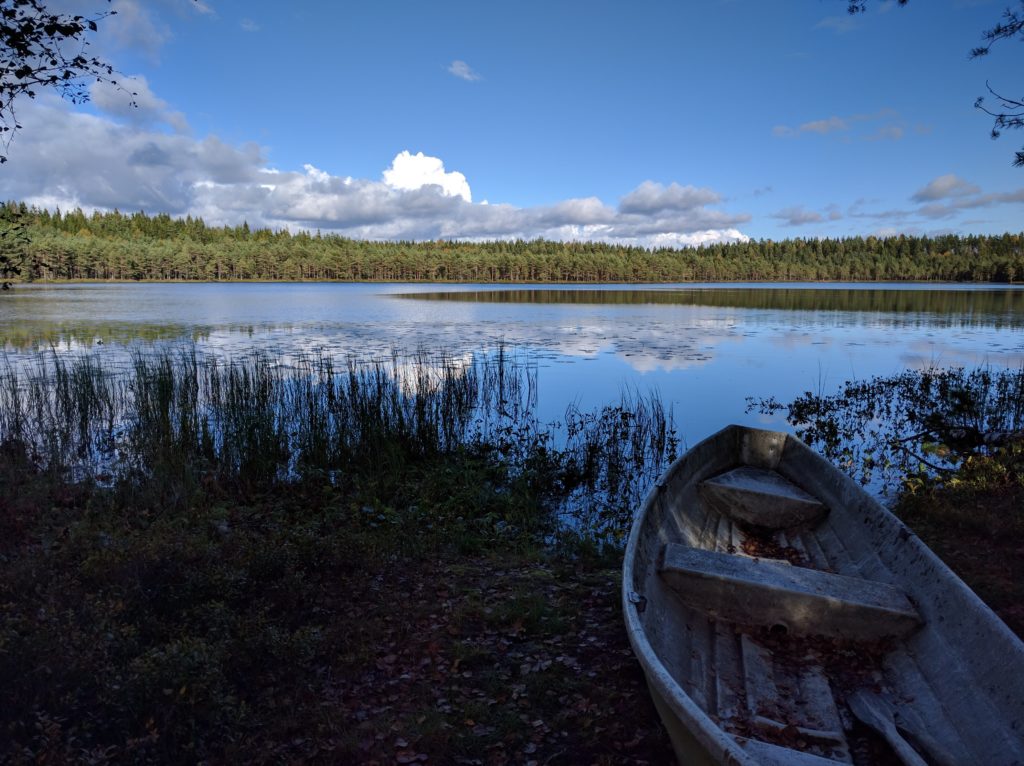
(1008, 111)
(42, 50)
(1009, 114)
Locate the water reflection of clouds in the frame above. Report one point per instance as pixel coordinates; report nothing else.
(712, 354)
(417, 369)
(654, 346)
(584, 341)
(645, 362)
(644, 345)
(792, 340)
(644, 349)
(426, 374)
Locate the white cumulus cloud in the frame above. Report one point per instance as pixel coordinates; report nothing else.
(414, 171)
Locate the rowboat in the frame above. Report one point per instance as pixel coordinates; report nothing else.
(782, 616)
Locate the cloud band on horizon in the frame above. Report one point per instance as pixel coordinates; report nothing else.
(68, 158)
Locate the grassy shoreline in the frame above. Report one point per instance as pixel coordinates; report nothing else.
(354, 564)
(307, 626)
(235, 561)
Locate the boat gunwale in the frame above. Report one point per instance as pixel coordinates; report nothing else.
(719, 744)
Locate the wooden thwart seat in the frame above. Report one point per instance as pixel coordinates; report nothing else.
(761, 498)
(754, 591)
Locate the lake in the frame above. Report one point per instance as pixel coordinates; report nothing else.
(704, 347)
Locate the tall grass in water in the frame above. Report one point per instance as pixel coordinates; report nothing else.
(179, 420)
(60, 415)
(615, 454)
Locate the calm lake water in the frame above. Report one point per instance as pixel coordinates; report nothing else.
(704, 347)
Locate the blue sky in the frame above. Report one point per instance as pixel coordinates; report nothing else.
(651, 123)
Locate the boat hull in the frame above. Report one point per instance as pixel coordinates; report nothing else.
(760, 690)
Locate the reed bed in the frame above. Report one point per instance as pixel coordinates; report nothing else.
(216, 560)
(180, 419)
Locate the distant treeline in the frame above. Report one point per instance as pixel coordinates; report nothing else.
(137, 246)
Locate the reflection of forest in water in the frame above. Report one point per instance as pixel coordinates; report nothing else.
(32, 335)
(566, 320)
(997, 308)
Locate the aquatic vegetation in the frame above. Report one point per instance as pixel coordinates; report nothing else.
(181, 419)
(917, 427)
(227, 558)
